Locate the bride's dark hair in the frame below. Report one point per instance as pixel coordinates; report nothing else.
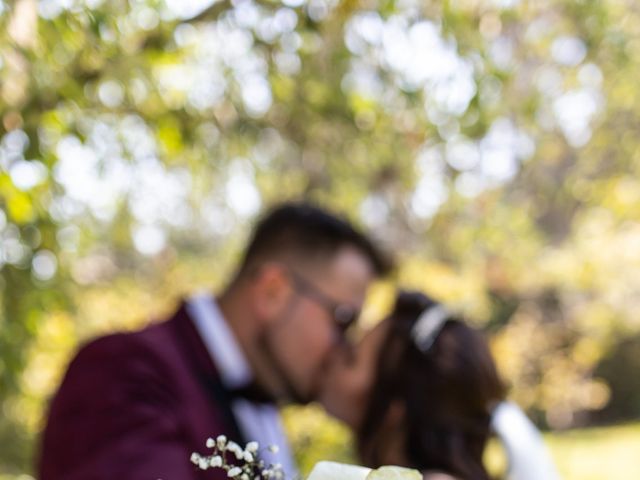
(447, 391)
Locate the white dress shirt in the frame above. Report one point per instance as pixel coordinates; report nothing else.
(258, 422)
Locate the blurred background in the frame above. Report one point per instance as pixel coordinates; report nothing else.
(492, 143)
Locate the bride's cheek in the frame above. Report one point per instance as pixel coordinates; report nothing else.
(346, 390)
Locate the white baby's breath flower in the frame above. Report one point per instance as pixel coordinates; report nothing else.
(273, 448)
(234, 472)
(249, 466)
(234, 448)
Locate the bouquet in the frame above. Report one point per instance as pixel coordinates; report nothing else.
(340, 471)
(245, 464)
(241, 463)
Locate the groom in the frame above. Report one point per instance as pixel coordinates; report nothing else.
(134, 406)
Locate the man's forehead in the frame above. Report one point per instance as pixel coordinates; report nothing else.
(348, 268)
(353, 261)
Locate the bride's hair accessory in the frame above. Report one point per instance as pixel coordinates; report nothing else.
(428, 327)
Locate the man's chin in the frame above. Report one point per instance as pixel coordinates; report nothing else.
(300, 398)
(290, 394)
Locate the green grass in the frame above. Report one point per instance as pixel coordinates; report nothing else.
(587, 454)
(598, 453)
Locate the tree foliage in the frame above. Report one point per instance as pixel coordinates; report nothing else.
(492, 142)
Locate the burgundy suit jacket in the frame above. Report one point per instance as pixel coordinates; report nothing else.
(134, 406)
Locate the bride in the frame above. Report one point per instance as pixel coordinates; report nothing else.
(422, 391)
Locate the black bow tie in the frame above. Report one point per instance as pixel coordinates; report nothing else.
(252, 392)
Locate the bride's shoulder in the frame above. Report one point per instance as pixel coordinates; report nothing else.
(438, 476)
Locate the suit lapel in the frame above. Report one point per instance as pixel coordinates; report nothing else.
(201, 364)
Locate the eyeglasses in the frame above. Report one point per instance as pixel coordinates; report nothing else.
(343, 315)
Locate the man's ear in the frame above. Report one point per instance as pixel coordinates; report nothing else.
(272, 291)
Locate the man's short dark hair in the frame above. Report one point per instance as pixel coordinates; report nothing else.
(307, 232)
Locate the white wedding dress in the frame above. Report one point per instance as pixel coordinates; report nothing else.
(528, 457)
